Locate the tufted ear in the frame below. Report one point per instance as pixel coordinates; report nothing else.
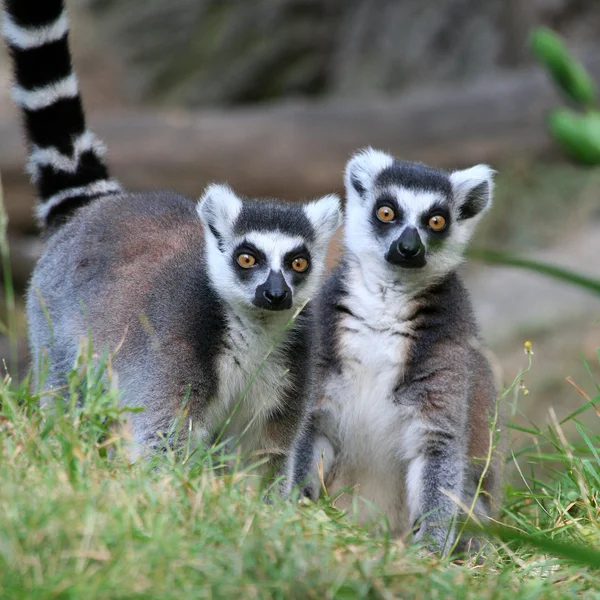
(472, 190)
(219, 208)
(362, 169)
(325, 215)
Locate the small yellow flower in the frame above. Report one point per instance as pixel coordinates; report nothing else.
(528, 349)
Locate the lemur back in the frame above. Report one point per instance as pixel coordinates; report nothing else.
(405, 391)
(189, 297)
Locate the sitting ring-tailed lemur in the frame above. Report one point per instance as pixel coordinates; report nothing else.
(404, 391)
(193, 296)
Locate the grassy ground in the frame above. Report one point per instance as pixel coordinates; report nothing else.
(79, 521)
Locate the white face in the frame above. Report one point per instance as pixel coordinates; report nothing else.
(411, 222)
(266, 256)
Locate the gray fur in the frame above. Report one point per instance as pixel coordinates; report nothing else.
(191, 300)
(133, 272)
(405, 393)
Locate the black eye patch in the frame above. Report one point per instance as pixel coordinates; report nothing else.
(300, 251)
(386, 199)
(437, 210)
(247, 248)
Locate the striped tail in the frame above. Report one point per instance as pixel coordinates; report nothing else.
(66, 160)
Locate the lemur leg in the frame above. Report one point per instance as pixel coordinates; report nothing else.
(436, 448)
(438, 467)
(482, 509)
(281, 468)
(323, 458)
(315, 459)
(280, 442)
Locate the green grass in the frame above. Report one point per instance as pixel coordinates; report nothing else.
(79, 521)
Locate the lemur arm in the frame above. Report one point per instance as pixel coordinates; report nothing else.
(285, 433)
(438, 459)
(435, 480)
(315, 457)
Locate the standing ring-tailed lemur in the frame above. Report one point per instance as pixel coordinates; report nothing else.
(404, 391)
(192, 296)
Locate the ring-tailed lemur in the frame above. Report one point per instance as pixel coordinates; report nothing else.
(193, 296)
(404, 389)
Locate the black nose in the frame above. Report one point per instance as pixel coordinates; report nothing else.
(275, 297)
(409, 243)
(274, 293)
(407, 251)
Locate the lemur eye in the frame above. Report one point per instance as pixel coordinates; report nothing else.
(386, 214)
(246, 261)
(300, 264)
(437, 223)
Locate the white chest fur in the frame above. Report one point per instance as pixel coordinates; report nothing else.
(247, 391)
(374, 434)
(373, 349)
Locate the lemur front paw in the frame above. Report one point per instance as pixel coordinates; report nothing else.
(309, 492)
(434, 538)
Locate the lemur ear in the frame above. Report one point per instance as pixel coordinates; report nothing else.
(362, 169)
(472, 190)
(325, 215)
(219, 207)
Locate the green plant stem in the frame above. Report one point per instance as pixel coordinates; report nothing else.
(502, 258)
(573, 552)
(491, 448)
(9, 293)
(255, 374)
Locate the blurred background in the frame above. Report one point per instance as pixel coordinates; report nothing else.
(273, 96)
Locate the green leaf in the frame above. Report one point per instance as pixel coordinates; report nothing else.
(523, 429)
(583, 408)
(564, 69)
(579, 135)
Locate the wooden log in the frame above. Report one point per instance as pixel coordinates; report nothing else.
(298, 150)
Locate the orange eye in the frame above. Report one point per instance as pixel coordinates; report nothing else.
(300, 264)
(386, 214)
(246, 261)
(437, 223)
